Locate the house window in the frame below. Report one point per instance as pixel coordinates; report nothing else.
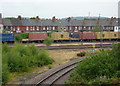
(6, 27)
(11, 27)
(14, 29)
(37, 28)
(53, 28)
(61, 36)
(79, 28)
(84, 28)
(47, 28)
(27, 28)
(18, 28)
(88, 28)
(33, 28)
(43, 28)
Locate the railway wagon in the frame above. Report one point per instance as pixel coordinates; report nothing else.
(37, 36)
(87, 36)
(7, 37)
(119, 35)
(60, 36)
(107, 35)
(74, 36)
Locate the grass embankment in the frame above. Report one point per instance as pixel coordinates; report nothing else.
(22, 58)
(101, 68)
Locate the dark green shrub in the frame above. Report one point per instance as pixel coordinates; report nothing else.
(21, 58)
(81, 54)
(5, 73)
(101, 66)
(24, 35)
(21, 36)
(48, 41)
(18, 38)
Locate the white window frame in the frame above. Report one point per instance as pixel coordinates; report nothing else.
(27, 28)
(18, 28)
(70, 28)
(43, 28)
(53, 28)
(33, 28)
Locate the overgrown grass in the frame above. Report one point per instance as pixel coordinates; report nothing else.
(100, 68)
(21, 58)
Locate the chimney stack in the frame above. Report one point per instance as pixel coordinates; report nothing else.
(84, 21)
(53, 18)
(19, 17)
(37, 18)
(111, 20)
(69, 19)
(98, 21)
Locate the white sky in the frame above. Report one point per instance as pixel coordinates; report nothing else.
(58, 8)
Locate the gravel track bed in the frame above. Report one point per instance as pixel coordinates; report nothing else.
(39, 77)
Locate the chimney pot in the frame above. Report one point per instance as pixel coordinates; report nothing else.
(37, 17)
(53, 18)
(19, 17)
(69, 18)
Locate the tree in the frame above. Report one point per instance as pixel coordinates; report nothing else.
(4, 31)
(18, 37)
(21, 36)
(48, 41)
(96, 29)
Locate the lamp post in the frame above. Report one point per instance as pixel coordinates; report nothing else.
(101, 36)
(81, 36)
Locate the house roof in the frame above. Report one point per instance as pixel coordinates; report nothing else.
(48, 22)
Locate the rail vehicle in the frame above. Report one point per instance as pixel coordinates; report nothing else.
(65, 36)
(7, 37)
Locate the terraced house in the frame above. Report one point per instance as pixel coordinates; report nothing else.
(22, 25)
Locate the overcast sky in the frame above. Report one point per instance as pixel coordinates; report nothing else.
(58, 8)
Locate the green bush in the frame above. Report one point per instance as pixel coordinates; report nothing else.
(81, 54)
(48, 41)
(24, 35)
(5, 73)
(21, 58)
(101, 66)
(18, 38)
(21, 36)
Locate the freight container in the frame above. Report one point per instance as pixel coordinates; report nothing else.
(60, 36)
(6, 37)
(74, 36)
(113, 35)
(119, 35)
(37, 36)
(107, 35)
(87, 35)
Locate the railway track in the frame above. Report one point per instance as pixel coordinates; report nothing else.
(66, 47)
(50, 79)
(51, 76)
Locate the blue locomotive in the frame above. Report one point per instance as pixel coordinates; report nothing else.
(7, 37)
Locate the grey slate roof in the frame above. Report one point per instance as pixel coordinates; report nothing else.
(7, 22)
(34, 22)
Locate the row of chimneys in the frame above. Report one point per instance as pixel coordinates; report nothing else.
(69, 19)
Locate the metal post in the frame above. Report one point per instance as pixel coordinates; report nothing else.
(101, 35)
